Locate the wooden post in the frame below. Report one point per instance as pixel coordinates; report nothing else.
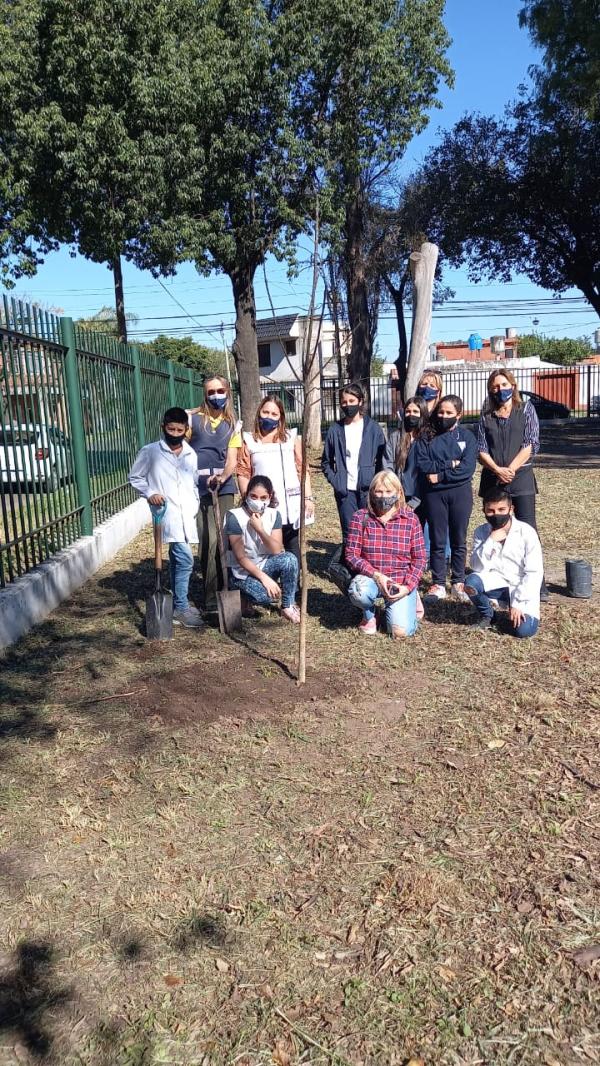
(422, 270)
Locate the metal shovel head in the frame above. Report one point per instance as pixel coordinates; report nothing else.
(229, 606)
(159, 615)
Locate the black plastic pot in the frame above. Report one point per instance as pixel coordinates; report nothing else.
(579, 578)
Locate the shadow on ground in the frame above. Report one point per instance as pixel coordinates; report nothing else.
(29, 997)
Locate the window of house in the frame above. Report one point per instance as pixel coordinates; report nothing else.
(290, 347)
(264, 355)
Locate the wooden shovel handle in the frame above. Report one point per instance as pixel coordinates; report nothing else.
(157, 545)
(220, 540)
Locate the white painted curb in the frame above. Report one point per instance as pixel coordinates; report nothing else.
(31, 598)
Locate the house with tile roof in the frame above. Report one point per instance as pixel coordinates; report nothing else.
(280, 346)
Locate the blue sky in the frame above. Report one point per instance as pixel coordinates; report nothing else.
(490, 56)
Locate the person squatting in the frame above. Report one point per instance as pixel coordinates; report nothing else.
(404, 506)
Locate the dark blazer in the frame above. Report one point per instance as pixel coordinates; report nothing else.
(370, 456)
(436, 457)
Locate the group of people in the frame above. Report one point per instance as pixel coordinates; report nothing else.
(404, 503)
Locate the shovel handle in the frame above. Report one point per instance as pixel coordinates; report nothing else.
(220, 540)
(158, 561)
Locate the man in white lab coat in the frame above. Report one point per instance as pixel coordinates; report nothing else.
(166, 473)
(507, 567)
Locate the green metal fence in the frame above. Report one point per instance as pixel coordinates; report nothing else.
(75, 408)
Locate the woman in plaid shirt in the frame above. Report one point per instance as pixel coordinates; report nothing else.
(385, 549)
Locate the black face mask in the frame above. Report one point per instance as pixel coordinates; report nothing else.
(496, 521)
(174, 438)
(411, 422)
(349, 410)
(444, 422)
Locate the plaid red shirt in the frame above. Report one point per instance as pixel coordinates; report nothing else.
(396, 549)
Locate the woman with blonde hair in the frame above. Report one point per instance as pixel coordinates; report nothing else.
(430, 388)
(216, 439)
(274, 451)
(386, 551)
(508, 437)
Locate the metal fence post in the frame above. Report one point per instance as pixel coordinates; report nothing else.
(138, 398)
(82, 474)
(171, 384)
(191, 387)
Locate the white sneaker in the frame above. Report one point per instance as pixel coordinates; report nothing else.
(457, 592)
(436, 592)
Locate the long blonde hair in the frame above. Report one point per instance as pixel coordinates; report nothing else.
(205, 411)
(386, 479)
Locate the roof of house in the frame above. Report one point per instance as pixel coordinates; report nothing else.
(272, 328)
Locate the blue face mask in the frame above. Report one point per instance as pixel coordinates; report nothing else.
(427, 392)
(267, 425)
(217, 402)
(502, 396)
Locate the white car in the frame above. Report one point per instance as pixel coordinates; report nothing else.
(34, 454)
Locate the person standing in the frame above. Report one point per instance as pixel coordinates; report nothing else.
(352, 454)
(447, 463)
(508, 438)
(400, 453)
(165, 472)
(274, 451)
(430, 388)
(215, 437)
(506, 567)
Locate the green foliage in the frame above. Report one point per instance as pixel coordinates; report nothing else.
(562, 350)
(376, 367)
(185, 350)
(105, 321)
(568, 31)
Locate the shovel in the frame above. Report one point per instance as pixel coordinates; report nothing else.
(159, 606)
(229, 604)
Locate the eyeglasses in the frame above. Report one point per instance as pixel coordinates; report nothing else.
(217, 392)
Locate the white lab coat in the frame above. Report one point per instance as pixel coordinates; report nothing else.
(515, 563)
(159, 470)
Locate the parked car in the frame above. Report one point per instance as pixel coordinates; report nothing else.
(546, 410)
(34, 454)
(595, 405)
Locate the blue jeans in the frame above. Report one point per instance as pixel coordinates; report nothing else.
(481, 600)
(282, 568)
(181, 564)
(363, 592)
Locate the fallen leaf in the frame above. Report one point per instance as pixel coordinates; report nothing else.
(453, 762)
(495, 744)
(446, 973)
(172, 981)
(352, 934)
(222, 966)
(281, 1054)
(525, 906)
(171, 851)
(416, 1062)
(586, 956)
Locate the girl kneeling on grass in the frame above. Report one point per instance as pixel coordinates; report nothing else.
(386, 550)
(257, 560)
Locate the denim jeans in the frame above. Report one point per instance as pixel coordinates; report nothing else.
(481, 600)
(282, 568)
(364, 591)
(181, 564)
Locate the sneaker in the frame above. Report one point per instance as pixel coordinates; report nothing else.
(482, 623)
(544, 594)
(190, 618)
(368, 627)
(457, 592)
(436, 592)
(292, 614)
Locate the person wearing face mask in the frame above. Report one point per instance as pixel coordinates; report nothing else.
(507, 567)
(353, 452)
(430, 389)
(260, 568)
(216, 439)
(276, 452)
(385, 550)
(400, 455)
(447, 463)
(165, 472)
(508, 438)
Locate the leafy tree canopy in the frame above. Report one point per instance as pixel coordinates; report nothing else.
(105, 321)
(568, 31)
(185, 350)
(562, 350)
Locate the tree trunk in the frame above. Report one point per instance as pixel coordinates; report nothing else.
(422, 270)
(312, 433)
(397, 295)
(245, 345)
(119, 299)
(361, 351)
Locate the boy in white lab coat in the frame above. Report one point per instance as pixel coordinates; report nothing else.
(166, 473)
(507, 567)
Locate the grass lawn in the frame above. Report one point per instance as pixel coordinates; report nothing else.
(201, 863)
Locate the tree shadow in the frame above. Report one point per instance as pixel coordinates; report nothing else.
(199, 929)
(333, 609)
(27, 993)
(574, 445)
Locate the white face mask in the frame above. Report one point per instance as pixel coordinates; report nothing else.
(257, 506)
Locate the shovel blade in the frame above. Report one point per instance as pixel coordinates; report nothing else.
(159, 616)
(229, 606)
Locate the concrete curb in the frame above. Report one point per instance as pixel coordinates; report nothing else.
(35, 595)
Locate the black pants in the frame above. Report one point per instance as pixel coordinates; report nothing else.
(525, 509)
(291, 541)
(347, 506)
(448, 512)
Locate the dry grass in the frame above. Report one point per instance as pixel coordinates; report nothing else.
(400, 863)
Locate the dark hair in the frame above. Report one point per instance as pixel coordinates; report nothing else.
(353, 389)
(497, 495)
(175, 414)
(282, 433)
(404, 438)
(450, 397)
(260, 479)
